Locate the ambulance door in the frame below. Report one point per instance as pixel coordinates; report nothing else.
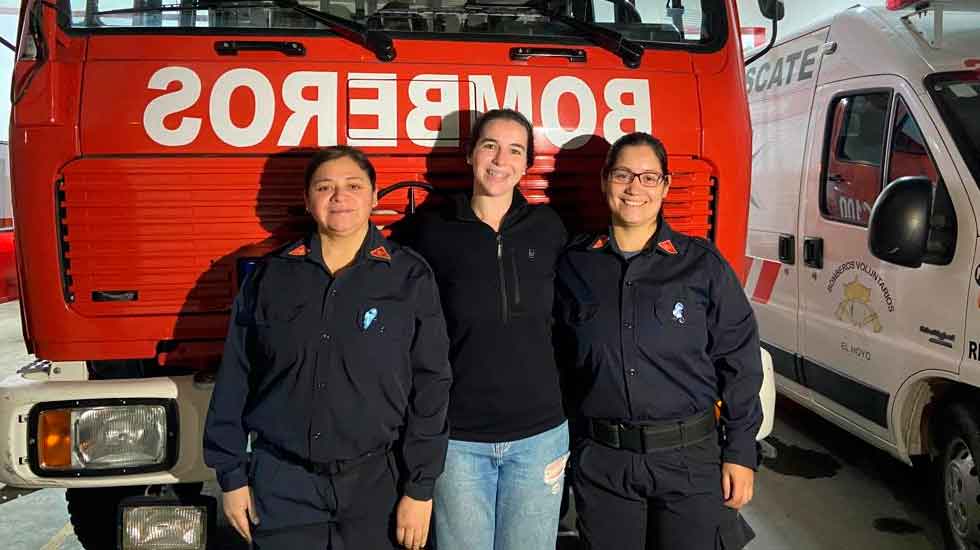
(781, 87)
(868, 325)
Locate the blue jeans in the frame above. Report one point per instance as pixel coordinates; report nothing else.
(502, 496)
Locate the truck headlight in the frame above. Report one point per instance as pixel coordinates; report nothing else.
(99, 438)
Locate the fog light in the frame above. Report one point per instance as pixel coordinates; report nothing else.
(104, 437)
(149, 524)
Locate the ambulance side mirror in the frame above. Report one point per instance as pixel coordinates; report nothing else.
(772, 9)
(898, 230)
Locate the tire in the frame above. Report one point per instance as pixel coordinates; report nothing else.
(958, 487)
(94, 514)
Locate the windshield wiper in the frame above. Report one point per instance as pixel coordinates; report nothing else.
(378, 41)
(614, 41)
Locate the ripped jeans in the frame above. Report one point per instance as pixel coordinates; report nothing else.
(502, 496)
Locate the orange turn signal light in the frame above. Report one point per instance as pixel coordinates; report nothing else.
(54, 439)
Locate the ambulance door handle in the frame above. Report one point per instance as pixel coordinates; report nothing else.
(813, 252)
(232, 47)
(787, 249)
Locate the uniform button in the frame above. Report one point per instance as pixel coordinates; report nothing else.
(333, 292)
(627, 324)
(316, 435)
(629, 283)
(324, 336)
(632, 372)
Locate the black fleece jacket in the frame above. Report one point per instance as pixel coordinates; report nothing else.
(497, 291)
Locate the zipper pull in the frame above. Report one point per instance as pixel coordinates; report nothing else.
(500, 247)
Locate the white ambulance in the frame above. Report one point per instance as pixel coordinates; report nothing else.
(862, 254)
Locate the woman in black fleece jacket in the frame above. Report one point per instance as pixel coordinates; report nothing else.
(494, 258)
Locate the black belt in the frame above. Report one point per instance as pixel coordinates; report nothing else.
(647, 437)
(331, 468)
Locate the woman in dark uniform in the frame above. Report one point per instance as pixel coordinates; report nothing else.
(655, 330)
(337, 360)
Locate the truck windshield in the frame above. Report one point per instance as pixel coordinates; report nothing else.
(957, 95)
(676, 22)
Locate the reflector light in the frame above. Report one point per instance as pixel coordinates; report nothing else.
(54, 439)
(245, 267)
(900, 4)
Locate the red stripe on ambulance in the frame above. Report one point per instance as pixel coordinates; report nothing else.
(760, 278)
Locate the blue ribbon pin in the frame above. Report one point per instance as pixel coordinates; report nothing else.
(679, 312)
(369, 317)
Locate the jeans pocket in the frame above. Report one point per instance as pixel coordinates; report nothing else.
(734, 533)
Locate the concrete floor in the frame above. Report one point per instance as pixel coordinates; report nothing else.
(825, 490)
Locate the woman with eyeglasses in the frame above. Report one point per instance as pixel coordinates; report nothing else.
(661, 353)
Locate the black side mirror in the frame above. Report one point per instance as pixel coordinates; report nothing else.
(772, 9)
(898, 230)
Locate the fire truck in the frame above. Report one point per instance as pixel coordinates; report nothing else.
(157, 152)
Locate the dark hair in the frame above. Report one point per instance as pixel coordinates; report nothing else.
(503, 114)
(328, 154)
(633, 140)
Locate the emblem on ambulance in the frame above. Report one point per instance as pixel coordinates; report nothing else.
(856, 308)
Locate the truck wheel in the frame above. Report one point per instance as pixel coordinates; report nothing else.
(94, 514)
(959, 483)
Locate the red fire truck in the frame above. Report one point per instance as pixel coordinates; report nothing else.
(157, 151)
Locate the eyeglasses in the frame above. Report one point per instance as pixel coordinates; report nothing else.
(622, 176)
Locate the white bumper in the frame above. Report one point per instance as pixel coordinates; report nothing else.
(767, 395)
(21, 392)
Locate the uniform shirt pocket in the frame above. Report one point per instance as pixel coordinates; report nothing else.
(671, 323)
(378, 351)
(680, 310)
(384, 319)
(277, 331)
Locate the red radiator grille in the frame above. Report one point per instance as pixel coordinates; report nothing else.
(172, 232)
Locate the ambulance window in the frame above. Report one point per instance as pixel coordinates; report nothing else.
(852, 177)
(909, 154)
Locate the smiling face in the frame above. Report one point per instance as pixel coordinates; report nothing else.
(340, 198)
(499, 158)
(633, 204)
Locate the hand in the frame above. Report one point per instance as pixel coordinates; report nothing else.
(736, 484)
(240, 510)
(412, 519)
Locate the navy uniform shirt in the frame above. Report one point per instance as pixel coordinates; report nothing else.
(662, 335)
(326, 368)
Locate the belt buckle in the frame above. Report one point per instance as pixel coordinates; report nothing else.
(634, 439)
(617, 435)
